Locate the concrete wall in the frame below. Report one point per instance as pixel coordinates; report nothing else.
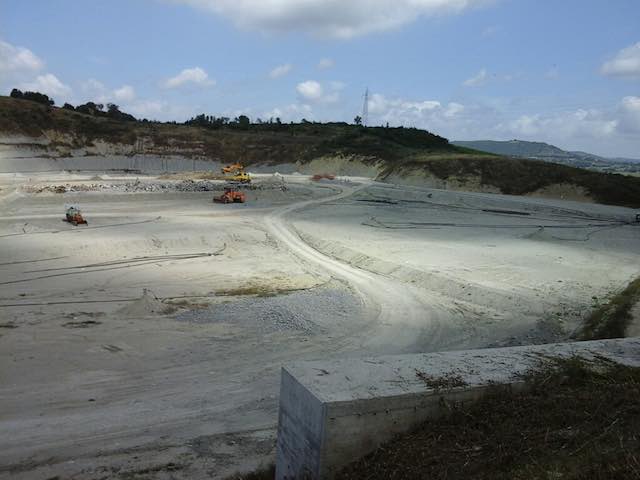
(334, 412)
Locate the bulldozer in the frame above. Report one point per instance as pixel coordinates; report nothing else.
(231, 195)
(74, 217)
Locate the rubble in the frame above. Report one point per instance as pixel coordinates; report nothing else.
(147, 186)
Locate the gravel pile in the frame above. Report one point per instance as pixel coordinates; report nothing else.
(157, 186)
(310, 311)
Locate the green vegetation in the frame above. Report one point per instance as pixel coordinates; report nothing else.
(575, 420)
(518, 176)
(550, 153)
(32, 97)
(393, 151)
(611, 319)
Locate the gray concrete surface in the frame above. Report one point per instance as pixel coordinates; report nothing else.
(333, 412)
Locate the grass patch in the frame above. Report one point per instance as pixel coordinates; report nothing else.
(184, 303)
(256, 290)
(443, 383)
(577, 419)
(612, 319)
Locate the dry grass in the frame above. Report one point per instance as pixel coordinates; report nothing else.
(257, 290)
(265, 473)
(612, 319)
(443, 383)
(576, 420)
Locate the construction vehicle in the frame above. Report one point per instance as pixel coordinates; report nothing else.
(231, 195)
(233, 168)
(240, 177)
(237, 173)
(74, 217)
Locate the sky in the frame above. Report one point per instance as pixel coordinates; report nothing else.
(566, 72)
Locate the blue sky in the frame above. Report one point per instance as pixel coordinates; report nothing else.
(566, 71)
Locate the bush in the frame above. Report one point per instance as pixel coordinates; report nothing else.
(32, 96)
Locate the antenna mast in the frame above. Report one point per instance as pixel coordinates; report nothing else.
(365, 108)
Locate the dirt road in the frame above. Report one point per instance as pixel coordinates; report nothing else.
(399, 316)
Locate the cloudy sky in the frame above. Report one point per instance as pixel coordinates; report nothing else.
(561, 71)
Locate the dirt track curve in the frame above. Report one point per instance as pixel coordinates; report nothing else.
(397, 316)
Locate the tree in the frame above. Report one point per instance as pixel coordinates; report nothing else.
(113, 111)
(357, 120)
(91, 108)
(68, 106)
(32, 96)
(244, 122)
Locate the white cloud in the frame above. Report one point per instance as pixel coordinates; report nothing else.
(195, 76)
(95, 91)
(48, 84)
(310, 90)
(453, 109)
(477, 80)
(429, 114)
(126, 93)
(332, 18)
(160, 110)
(629, 113)
(93, 86)
(290, 113)
(326, 63)
(18, 59)
(280, 70)
(148, 108)
(625, 64)
(609, 131)
(313, 91)
(581, 123)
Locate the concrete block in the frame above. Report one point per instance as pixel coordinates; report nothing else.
(334, 412)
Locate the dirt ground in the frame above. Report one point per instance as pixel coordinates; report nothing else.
(148, 344)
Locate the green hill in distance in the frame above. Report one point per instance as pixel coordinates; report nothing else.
(551, 153)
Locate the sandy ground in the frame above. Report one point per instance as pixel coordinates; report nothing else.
(148, 344)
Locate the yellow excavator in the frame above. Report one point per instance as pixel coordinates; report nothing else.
(236, 173)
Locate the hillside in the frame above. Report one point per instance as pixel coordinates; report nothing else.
(391, 154)
(63, 132)
(551, 153)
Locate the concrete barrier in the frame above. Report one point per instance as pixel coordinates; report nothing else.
(334, 412)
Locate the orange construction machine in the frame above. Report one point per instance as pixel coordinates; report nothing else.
(233, 168)
(74, 216)
(235, 173)
(231, 195)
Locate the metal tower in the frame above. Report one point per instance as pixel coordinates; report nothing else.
(365, 108)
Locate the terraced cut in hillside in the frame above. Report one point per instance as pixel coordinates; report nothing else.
(392, 153)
